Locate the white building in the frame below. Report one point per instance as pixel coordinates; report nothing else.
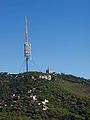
(47, 77)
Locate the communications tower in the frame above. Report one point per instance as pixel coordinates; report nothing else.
(27, 49)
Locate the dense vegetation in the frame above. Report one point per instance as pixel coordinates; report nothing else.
(23, 98)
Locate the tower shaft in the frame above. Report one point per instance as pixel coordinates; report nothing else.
(26, 42)
(27, 48)
(27, 64)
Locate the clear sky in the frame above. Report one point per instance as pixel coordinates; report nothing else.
(59, 33)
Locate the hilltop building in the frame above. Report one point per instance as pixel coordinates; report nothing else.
(48, 70)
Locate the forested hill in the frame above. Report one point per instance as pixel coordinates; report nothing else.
(26, 96)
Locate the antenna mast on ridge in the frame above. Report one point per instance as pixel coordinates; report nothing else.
(27, 49)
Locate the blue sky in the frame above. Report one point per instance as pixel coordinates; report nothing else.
(59, 33)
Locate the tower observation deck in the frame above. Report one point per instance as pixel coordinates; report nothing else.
(27, 48)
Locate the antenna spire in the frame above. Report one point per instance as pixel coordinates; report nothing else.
(26, 30)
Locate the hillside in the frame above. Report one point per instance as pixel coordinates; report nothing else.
(28, 97)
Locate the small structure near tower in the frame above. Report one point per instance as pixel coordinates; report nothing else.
(27, 48)
(48, 70)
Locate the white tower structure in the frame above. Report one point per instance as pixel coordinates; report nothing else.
(27, 48)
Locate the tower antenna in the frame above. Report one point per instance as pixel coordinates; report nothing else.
(26, 30)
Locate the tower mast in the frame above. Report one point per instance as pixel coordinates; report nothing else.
(26, 30)
(27, 48)
(26, 42)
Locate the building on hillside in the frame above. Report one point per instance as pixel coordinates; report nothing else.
(48, 70)
(61, 74)
(47, 77)
(43, 76)
(33, 77)
(54, 73)
(14, 75)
